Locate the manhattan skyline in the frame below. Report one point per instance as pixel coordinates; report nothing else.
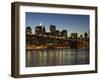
(71, 22)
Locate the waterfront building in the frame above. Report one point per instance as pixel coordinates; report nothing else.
(48, 34)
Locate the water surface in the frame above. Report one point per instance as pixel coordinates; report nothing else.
(56, 57)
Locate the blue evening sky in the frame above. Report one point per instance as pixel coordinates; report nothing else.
(72, 23)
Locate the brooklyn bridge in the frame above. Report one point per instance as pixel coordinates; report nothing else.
(43, 41)
(54, 39)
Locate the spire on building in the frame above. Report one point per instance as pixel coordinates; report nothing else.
(40, 24)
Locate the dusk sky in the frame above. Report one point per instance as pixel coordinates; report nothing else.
(72, 23)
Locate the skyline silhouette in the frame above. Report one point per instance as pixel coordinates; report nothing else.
(71, 22)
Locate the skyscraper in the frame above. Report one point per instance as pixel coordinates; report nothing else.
(63, 33)
(38, 30)
(28, 30)
(43, 30)
(74, 35)
(81, 36)
(85, 35)
(52, 28)
(57, 33)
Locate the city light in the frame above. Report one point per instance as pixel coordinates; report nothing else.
(54, 39)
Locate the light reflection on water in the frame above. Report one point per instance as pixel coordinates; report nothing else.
(53, 57)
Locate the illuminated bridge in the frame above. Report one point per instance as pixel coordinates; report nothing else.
(44, 41)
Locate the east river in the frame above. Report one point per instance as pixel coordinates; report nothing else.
(56, 57)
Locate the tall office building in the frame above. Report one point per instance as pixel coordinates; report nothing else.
(52, 28)
(38, 30)
(63, 33)
(85, 35)
(81, 36)
(28, 30)
(74, 35)
(57, 33)
(43, 30)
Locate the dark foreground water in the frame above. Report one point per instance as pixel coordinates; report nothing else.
(53, 57)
